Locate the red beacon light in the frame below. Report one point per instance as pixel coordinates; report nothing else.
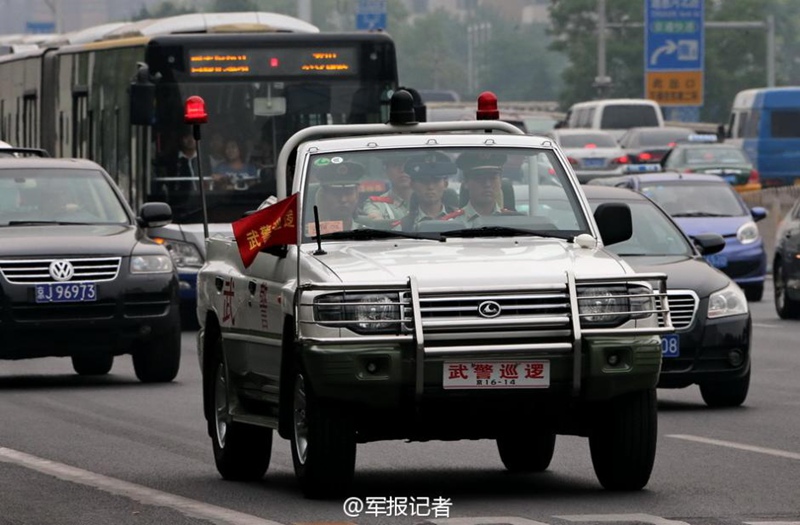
(194, 111)
(487, 106)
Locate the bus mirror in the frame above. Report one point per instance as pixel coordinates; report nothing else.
(142, 104)
(269, 106)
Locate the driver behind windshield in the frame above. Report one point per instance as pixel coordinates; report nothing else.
(482, 172)
(429, 174)
(337, 197)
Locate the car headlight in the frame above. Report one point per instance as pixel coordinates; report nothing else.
(184, 254)
(611, 306)
(728, 301)
(151, 264)
(747, 233)
(360, 312)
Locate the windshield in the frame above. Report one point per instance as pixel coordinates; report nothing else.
(695, 199)
(624, 116)
(587, 140)
(248, 123)
(715, 156)
(58, 196)
(653, 233)
(428, 191)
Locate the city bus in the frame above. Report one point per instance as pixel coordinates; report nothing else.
(118, 97)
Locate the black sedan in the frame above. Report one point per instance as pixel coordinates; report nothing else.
(78, 276)
(786, 265)
(711, 346)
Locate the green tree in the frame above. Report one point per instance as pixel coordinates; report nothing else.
(162, 10)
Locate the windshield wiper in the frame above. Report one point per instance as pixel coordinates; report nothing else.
(700, 214)
(501, 231)
(365, 234)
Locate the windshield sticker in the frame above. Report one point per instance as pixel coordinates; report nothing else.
(325, 227)
(322, 162)
(337, 160)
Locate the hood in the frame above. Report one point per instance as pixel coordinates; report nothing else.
(683, 273)
(725, 226)
(83, 240)
(460, 262)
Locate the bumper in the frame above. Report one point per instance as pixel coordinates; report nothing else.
(744, 263)
(714, 350)
(127, 312)
(187, 285)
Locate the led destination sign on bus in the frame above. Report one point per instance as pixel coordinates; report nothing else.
(273, 62)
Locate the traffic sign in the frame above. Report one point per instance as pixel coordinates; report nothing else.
(674, 51)
(675, 88)
(674, 35)
(371, 15)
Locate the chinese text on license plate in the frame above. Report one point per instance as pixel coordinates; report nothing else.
(496, 374)
(65, 292)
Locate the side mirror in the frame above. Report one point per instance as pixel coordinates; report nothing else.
(709, 243)
(614, 221)
(759, 213)
(155, 214)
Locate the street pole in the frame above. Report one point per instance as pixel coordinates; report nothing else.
(770, 50)
(602, 81)
(304, 10)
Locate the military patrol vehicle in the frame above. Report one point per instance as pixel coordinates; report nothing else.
(490, 323)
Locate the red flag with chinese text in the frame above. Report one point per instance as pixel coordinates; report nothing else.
(274, 225)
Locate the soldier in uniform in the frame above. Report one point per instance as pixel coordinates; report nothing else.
(337, 197)
(482, 172)
(394, 204)
(429, 176)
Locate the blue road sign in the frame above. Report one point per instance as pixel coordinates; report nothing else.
(371, 14)
(674, 35)
(40, 27)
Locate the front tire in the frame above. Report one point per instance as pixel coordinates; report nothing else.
(786, 307)
(525, 452)
(726, 394)
(159, 360)
(323, 444)
(623, 441)
(95, 365)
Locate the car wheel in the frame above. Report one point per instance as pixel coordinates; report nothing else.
(524, 452)
(754, 292)
(623, 441)
(95, 365)
(159, 360)
(242, 452)
(786, 307)
(323, 444)
(720, 394)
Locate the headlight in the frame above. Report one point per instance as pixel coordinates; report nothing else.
(611, 306)
(151, 264)
(360, 312)
(747, 233)
(184, 254)
(728, 301)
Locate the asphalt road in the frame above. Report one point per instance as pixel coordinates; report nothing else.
(112, 450)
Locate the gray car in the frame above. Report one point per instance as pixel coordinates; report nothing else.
(592, 153)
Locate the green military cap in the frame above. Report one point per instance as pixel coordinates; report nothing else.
(472, 161)
(341, 175)
(434, 164)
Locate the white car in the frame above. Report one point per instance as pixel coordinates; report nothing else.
(592, 153)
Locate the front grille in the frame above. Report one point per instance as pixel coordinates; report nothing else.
(32, 271)
(682, 309)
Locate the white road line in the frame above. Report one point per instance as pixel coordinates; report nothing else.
(147, 496)
(772, 522)
(505, 520)
(766, 325)
(639, 518)
(740, 446)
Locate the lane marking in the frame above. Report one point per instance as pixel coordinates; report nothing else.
(145, 495)
(766, 325)
(739, 446)
(639, 518)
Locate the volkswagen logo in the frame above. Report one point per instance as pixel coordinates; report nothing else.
(489, 309)
(61, 270)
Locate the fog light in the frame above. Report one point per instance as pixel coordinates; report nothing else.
(372, 367)
(735, 357)
(613, 359)
(183, 285)
(145, 329)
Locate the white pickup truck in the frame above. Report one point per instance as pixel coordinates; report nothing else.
(500, 317)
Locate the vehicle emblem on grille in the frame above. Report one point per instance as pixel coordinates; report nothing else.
(489, 309)
(61, 270)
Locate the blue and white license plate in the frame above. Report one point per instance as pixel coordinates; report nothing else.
(594, 163)
(730, 179)
(717, 260)
(66, 292)
(670, 345)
